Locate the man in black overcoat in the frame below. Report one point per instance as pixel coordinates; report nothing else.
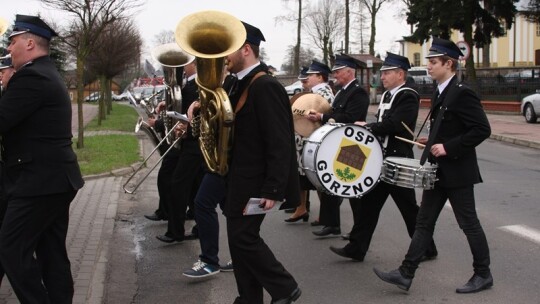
(458, 125)
(42, 175)
(263, 165)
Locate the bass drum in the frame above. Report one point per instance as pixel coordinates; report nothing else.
(343, 160)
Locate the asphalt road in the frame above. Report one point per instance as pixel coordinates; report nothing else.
(144, 270)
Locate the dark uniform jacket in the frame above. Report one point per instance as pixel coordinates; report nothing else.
(463, 127)
(263, 162)
(349, 105)
(404, 109)
(35, 123)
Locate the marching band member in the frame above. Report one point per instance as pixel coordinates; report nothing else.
(399, 104)
(350, 104)
(187, 171)
(317, 82)
(459, 124)
(263, 165)
(42, 175)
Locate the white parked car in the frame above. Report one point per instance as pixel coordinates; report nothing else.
(530, 107)
(294, 88)
(420, 75)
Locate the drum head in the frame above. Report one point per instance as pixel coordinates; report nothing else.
(301, 107)
(346, 162)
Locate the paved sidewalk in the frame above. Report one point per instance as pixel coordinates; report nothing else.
(94, 210)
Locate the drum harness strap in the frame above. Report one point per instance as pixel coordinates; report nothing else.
(386, 106)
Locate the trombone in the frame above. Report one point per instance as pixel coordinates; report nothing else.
(156, 148)
(173, 59)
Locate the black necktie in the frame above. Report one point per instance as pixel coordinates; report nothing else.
(387, 97)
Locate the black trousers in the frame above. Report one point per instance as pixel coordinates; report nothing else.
(164, 182)
(211, 193)
(186, 179)
(464, 207)
(38, 225)
(366, 211)
(255, 266)
(329, 212)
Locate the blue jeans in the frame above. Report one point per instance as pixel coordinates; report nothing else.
(463, 205)
(211, 193)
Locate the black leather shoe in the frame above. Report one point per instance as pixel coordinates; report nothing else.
(345, 254)
(154, 217)
(327, 230)
(168, 239)
(346, 236)
(291, 298)
(316, 223)
(191, 236)
(476, 284)
(304, 217)
(394, 277)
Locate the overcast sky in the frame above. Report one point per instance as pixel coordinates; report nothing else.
(158, 15)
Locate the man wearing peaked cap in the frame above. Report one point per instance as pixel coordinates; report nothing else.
(40, 34)
(34, 25)
(399, 105)
(343, 61)
(441, 47)
(394, 61)
(458, 125)
(253, 34)
(263, 149)
(350, 104)
(35, 125)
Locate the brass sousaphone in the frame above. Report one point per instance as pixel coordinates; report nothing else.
(210, 36)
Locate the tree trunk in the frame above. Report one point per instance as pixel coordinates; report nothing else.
(373, 32)
(80, 100)
(109, 96)
(467, 35)
(347, 25)
(486, 55)
(296, 63)
(101, 100)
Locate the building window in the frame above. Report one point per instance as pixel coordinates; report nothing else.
(416, 59)
(503, 27)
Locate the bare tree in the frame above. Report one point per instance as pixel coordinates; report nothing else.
(324, 24)
(306, 55)
(360, 27)
(373, 7)
(120, 44)
(90, 19)
(163, 37)
(296, 17)
(347, 25)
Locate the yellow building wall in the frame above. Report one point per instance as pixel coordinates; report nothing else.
(517, 48)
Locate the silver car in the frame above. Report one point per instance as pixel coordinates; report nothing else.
(530, 106)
